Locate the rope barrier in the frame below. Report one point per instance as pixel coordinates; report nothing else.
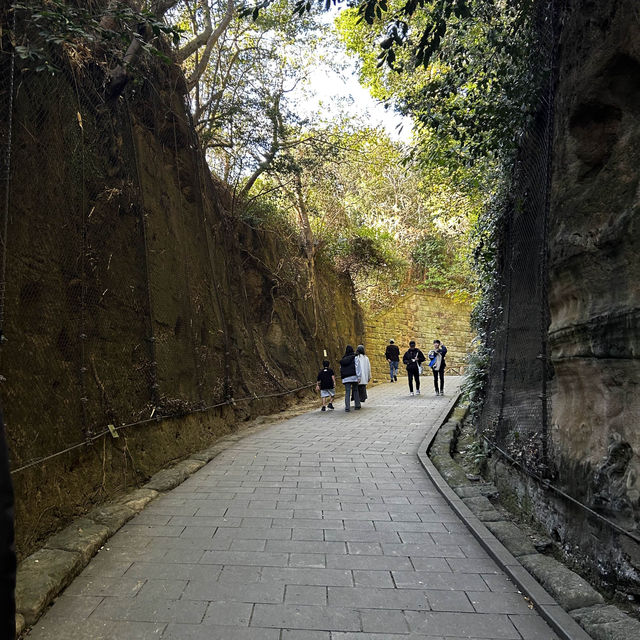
(96, 436)
(548, 486)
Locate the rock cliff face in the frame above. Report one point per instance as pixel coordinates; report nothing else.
(135, 296)
(594, 246)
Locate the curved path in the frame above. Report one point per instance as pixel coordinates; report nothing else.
(323, 527)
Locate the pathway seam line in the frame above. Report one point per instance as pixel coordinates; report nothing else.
(557, 618)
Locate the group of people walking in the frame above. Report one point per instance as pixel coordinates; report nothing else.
(413, 359)
(355, 372)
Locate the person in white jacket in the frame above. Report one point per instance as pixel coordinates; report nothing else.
(365, 372)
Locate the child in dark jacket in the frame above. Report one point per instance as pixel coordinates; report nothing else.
(326, 385)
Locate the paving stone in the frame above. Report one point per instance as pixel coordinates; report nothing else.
(234, 592)
(463, 625)
(96, 630)
(150, 610)
(90, 585)
(323, 527)
(439, 581)
(235, 614)
(305, 617)
(381, 579)
(220, 632)
(298, 594)
(491, 602)
(384, 622)
(534, 628)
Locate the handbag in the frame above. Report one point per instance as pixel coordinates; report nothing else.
(419, 369)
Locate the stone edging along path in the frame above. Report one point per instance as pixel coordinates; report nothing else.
(44, 574)
(572, 599)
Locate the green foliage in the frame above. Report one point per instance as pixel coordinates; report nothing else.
(59, 25)
(364, 251)
(475, 378)
(476, 453)
(266, 214)
(431, 252)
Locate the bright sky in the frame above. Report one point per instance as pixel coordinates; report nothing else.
(346, 93)
(331, 90)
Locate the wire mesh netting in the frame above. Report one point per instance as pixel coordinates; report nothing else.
(514, 418)
(111, 315)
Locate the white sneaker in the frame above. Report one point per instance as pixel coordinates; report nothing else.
(410, 393)
(418, 392)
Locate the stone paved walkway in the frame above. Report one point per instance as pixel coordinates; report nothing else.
(323, 527)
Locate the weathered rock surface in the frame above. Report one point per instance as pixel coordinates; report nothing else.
(20, 624)
(138, 499)
(486, 489)
(594, 262)
(483, 509)
(567, 587)
(517, 542)
(40, 578)
(83, 536)
(172, 477)
(607, 623)
(112, 516)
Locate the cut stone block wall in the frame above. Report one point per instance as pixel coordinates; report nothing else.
(423, 316)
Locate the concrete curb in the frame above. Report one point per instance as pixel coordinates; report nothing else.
(558, 619)
(43, 575)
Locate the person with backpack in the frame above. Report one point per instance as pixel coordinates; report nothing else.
(438, 365)
(413, 359)
(350, 375)
(392, 354)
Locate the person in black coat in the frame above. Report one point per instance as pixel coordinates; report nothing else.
(7, 551)
(392, 354)
(350, 375)
(413, 359)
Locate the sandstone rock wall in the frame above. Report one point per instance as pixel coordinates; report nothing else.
(423, 316)
(594, 302)
(134, 296)
(594, 248)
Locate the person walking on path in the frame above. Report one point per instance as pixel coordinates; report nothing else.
(392, 354)
(365, 372)
(413, 359)
(326, 385)
(350, 375)
(438, 365)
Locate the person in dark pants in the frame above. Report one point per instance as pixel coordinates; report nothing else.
(350, 375)
(438, 365)
(412, 359)
(7, 550)
(392, 354)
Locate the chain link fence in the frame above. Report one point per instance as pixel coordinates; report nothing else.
(516, 409)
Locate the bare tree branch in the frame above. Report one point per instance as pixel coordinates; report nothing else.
(211, 41)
